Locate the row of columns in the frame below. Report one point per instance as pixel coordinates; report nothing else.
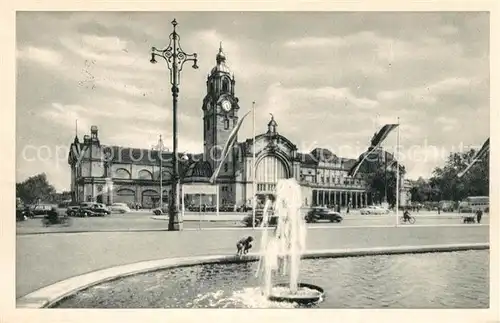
(333, 197)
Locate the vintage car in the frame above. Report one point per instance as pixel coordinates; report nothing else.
(161, 210)
(373, 209)
(119, 208)
(259, 217)
(41, 209)
(322, 214)
(89, 209)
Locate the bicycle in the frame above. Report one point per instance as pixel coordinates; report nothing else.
(411, 219)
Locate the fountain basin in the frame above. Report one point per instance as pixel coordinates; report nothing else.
(306, 294)
(444, 280)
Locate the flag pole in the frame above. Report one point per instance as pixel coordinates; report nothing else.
(397, 177)
(253, 167)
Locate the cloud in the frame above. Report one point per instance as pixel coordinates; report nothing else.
(283, 98)
(122, 110)
(324, 84)
(43, 56)
(431, 93)
(107, 44)
(447, 123)
(316, 42)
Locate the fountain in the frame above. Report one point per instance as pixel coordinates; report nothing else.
(281, 251)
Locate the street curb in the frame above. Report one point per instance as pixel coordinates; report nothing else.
(50, 295)
(403, 226)
(89, 231)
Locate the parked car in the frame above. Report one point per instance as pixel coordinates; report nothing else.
(93, 209)
(321, 214)
(227, 208)
(41, 209)
(23, 212)
(72, 210)
(161, 210)
(447, 206)
(259, 217)
(119, 208)
(373, 209)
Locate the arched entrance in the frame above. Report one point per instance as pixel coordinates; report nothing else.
(269, 170)
(125, 195)
(150, 199)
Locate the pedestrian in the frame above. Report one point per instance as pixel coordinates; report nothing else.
(479, 215)
(338, 208)
(439, 209)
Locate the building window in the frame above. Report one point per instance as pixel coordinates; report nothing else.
(225, 85)
(208, 123)
(226, 124)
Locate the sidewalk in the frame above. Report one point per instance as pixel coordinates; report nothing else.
(42, 260)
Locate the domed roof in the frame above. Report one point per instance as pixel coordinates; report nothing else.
(221, 62)
(221, 68)
(199, 169)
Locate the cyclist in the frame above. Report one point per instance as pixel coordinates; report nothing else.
(406, 215)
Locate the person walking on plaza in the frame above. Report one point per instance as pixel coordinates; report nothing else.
(479, 215)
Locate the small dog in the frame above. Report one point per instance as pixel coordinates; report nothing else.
(244, 245)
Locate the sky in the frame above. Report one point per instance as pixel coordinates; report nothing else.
(329, 78)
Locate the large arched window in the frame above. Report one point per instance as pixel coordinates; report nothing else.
(124, 195)
(122, 173)
(145, 174)
(150, 199)
(269, 170)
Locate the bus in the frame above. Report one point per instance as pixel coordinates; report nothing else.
(473, 203)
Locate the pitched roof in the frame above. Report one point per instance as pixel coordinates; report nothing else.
(318, 155)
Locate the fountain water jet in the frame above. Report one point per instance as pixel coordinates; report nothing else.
(281, 252)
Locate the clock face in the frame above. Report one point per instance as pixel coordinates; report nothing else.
(226, 105)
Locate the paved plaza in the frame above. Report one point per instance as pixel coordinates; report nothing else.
(144, 221)
(43, 259)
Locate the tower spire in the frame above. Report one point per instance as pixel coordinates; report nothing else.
(221, 57)
(76, 131)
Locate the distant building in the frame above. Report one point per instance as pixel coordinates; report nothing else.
(121, 174)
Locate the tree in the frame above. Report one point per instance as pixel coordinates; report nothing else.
(377, 185)
(35, 188)
(420, 190)
(474, 183)
(379, 172)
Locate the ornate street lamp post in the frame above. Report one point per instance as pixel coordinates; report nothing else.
(175, 58)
